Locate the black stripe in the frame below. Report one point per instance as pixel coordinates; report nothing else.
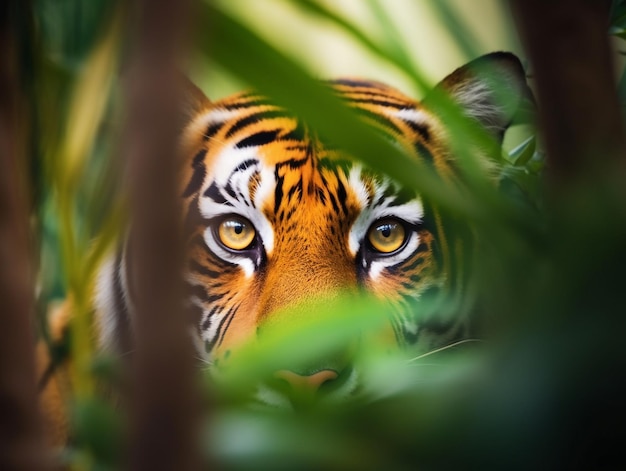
(230, 190)
(296, 134)
(198, 291)
(415, 278)
(401, 196)
(342, 195)
(258, 139)
(423, 152)
(206, 323)
(353, 83)
(212, 342)
(251, 119)
(227, 320)
(254, 101)
(321, 195)
(214, 297)
(215, 194)
(245, 164)
(278, 190)
(297, 147)
(198, 268)
(373, 101)
(295, 163)
(333, 202)
(295, 188)
(422, 248)
(198, 160)
(336, 164)
(389, 192)
(371, 92)
(413, 265)
(386, 123)
(420, 129)
(224, 266)
(199, 173)
(212, 130)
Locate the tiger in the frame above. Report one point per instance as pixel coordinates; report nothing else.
(275, 217)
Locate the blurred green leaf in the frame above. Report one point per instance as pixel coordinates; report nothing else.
(287, 344)
(291, 87)
(99, 429)
(547, 278)
(522, 154)
(464, 38)
(69, 28)
(393, 52)
(618, 19)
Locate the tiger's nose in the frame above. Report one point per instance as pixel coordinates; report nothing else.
(305, 386)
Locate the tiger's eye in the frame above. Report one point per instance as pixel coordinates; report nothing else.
(387, 235)
(236, 233)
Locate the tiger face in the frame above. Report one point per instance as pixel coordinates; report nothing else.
(275, 217)
(280, 218)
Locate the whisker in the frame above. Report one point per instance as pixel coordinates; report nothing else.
(206, 364)
(126, 353)
(219, 141)
(441, 349)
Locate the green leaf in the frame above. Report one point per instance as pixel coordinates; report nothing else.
(522, 154)
(97, 427)
(287, 83)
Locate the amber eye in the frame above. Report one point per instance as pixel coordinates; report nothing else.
(386, 235)
(236, 233)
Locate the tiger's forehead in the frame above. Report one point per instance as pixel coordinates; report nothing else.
(248, 120)
(251, 156)
(271, 165)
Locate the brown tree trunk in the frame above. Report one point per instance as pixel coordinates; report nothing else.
(164, 398)
(581, 123)
(568, 47)
(21, 443)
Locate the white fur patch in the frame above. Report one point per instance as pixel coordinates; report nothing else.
(410, 114)
(411, 212)
(477, 100)
(105, 305)
(227, 174)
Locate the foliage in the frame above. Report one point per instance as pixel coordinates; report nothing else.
(547, 278)
(618, 19)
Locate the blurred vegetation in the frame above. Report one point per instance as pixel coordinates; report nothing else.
(548, 276)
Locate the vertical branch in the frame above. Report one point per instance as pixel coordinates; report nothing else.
(583, 130)
(20, 433)
(568, 46)
(162, 435)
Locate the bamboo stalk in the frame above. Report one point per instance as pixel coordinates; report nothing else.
(163, 402)
(572, 66)
(21, 443)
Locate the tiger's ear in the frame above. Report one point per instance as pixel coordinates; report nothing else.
(193, 99)
(492, 90)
